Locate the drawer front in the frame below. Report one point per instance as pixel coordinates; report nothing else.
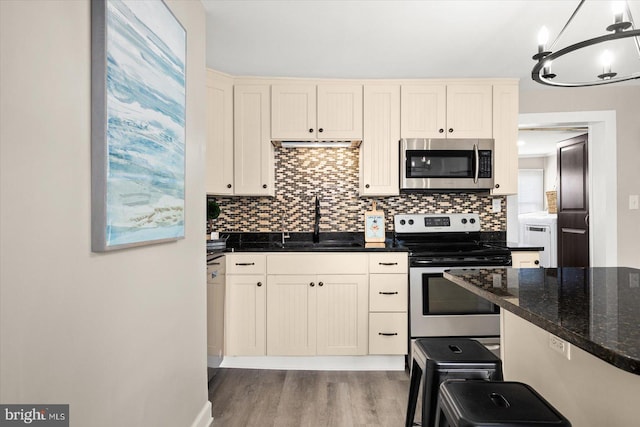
(388, 292)
(388, 262)
(246, 263)
(317, 263)
(388, 333)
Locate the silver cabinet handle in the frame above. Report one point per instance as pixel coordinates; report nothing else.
(476, 173)
(388, 293)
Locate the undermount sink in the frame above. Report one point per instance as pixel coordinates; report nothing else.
(323, 244)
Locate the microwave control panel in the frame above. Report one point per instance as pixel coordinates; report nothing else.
(484, 168)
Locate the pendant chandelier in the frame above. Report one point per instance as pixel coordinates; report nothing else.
(620, 29)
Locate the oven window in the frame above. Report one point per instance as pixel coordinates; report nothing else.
(440, 296)
(439, 164)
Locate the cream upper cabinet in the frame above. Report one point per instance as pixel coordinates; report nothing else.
(316, 112)
(253, 151)
(219, 165)
(423, 111)
(469, 111)
(446, 111)
(379, 174)
(505, 134)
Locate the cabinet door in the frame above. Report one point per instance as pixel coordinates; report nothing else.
(245, 315)
(423, 111)
(219, 134)
(380, 148)
(342, 314)
(505, 133)
(469, 111)
(525, 259)
(293, 112)
(253, 152)
(215, 319)
(291, 317)
(339, 112)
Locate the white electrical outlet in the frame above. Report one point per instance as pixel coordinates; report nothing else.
(496, 205)
(633, 202)
(634, 280)
(497, 280)
(560, 346)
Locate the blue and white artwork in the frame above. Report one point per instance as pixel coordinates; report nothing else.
(145, 124)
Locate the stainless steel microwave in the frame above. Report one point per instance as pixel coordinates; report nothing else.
(446, 164)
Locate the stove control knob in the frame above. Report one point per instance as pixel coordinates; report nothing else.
(472, 221)
(464, 220)
(410, 222)
(403, 222)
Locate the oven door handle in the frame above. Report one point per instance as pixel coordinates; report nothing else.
(476, 172)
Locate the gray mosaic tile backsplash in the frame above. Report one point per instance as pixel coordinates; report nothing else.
(332, 174)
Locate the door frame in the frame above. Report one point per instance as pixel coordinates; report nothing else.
(603, 185)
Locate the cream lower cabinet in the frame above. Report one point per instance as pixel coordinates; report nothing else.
(388, 302)
(525, 259)
(310, 313)
(245, 305)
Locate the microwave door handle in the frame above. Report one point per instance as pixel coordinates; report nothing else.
(476, 172)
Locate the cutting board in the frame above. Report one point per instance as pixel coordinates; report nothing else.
(374, 229)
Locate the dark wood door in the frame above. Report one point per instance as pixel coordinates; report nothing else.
(573, 203)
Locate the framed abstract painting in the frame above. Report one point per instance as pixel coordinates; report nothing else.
(138, 79)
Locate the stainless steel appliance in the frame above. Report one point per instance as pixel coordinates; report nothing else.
(446, 164)
(437, 307)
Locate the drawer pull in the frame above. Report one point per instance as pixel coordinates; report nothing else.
(245, 263)
(213, 263)
(388, 293)
(388, 263)
(387, 334)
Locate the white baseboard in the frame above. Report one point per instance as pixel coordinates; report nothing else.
(204, 418)
(316, 363)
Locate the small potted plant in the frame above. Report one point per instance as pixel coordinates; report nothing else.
(213, 212)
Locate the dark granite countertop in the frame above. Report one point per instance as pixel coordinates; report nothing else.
(596, 309)
(517, 246)
(303, 242)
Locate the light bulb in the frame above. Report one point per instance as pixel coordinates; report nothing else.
(606, 59)
(543, 37)
(618, 7)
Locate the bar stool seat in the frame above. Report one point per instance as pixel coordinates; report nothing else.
(495, 404)
(438, 359)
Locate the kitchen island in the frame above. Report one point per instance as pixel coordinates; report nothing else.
(573, 334)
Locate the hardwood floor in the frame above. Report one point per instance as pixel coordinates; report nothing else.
(251, 397)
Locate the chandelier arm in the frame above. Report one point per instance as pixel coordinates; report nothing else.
(567, 24)
(633, 27)
(539, 67)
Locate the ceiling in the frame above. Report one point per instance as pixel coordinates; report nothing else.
(409, 39)
(542, 142)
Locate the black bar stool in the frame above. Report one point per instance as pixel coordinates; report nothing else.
(484, 403)
(438, 359)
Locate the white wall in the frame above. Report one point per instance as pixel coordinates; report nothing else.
(623, 99)
(119, 336)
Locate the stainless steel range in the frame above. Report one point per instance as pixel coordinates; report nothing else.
(437, 307)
